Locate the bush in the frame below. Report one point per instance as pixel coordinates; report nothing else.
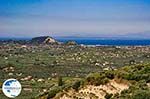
(136, 72)
(76, 85)
(53, 92)
(108, 96)
(97, 79)
(110, 74)
(141, 94)
(138, 90)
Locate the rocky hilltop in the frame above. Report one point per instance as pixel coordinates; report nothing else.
(44, 40)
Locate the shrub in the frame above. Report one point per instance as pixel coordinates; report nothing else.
(141, 94)
(108, 96)
(97, 79)
(110, 75)
(60, 82)
(76, 85)
(53, 92)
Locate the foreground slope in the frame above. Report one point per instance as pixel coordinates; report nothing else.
(97, 92)
(129, 82)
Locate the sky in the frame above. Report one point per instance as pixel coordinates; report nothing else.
(30, 18)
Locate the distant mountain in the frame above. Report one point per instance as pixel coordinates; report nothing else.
(138, 35)
(122, 36)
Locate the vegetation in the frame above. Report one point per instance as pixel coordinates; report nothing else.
(76, 85)
(137, 72)
(138, 86)
(108, 96)
(53, 92)
(97, 79)
(60, 82)
(46, 70)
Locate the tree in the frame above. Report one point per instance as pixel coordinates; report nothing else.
(76, 85)
(60, 81)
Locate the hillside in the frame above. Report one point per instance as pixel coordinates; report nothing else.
(43, 40)
(99, 92)
(129, 82)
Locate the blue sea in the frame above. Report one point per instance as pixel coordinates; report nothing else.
(108, 42)
(99, 41)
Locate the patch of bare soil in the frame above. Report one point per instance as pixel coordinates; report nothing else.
(96, 92)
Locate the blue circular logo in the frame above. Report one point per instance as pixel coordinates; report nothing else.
(11, 88)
